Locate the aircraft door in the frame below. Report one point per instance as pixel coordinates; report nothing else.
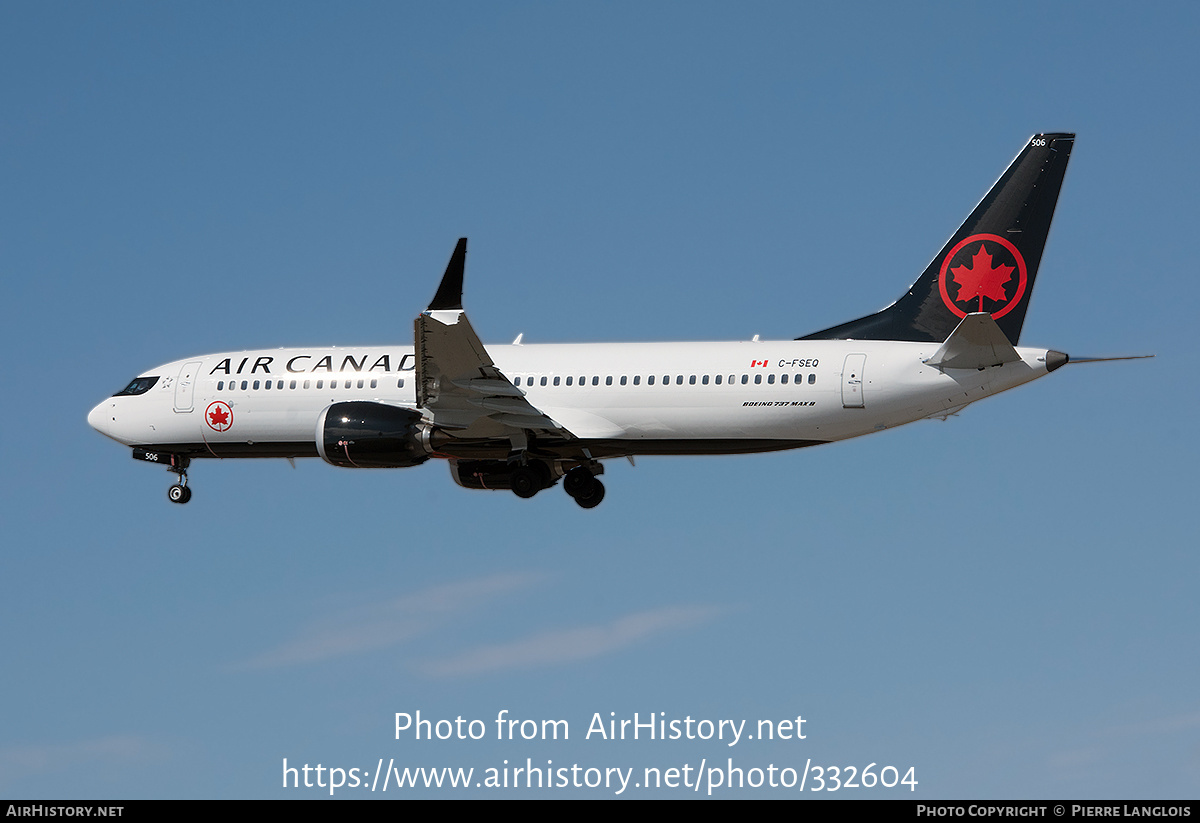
(185, 386)
(852, 381)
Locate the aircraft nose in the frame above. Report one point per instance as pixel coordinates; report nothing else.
(100, 418)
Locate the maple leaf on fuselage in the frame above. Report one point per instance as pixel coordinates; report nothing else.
(982, 279)
(218, 416)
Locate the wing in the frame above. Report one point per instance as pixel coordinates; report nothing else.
(458, 385)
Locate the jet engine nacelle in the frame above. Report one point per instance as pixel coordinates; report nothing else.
(365, 435)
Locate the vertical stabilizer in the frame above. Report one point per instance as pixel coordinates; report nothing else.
(988, 265)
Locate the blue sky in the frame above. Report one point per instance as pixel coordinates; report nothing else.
(1004, 601)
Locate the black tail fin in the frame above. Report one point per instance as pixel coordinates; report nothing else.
(988, 265)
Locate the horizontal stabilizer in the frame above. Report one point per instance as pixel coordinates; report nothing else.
(976, 343)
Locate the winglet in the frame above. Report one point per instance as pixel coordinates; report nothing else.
(449, 293)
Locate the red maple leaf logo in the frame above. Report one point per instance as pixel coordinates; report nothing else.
(218, 417)
(982, 279)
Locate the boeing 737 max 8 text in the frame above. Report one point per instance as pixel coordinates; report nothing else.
(522, 417)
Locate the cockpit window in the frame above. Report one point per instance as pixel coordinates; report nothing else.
(140, 385)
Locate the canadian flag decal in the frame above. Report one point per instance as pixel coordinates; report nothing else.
(754, 363)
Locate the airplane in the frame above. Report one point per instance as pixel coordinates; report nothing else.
(522, 417)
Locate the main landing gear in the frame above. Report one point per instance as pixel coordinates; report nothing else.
(579, 483)
(584, 487)
(530, 479)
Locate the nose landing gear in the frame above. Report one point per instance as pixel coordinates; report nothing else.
(179, 492)
(176, 464)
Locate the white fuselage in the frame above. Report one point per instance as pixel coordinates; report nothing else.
(638, 397)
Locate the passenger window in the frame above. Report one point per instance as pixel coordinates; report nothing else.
(637, 380)
(220, 385)
(292, 385)
(279, 384)
(812, 378)
(374, 384)
(596, 380)
(770, 379)
(320, 384)
(360, 383)
(745, 379)
(608, 380)
(650, 380)
(516, 381)
(569, 379)
(717, 379)
(692, 380)
(704, 379)
(543, 381)
(783, 379)
(623, 379)
(757, 379)
(256, 385)
(556, 379)
(306, 384)
(679, 380)
(243, 385)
